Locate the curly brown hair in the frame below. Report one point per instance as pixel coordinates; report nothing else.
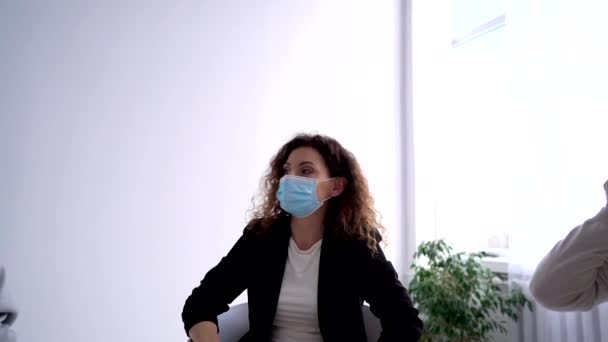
(351, 215)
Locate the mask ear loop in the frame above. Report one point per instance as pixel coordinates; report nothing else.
(325, 180)
(325, 200)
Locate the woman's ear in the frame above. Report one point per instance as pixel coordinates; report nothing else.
(338, 186)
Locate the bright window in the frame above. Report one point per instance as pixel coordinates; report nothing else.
(459, 132)
(509, 122)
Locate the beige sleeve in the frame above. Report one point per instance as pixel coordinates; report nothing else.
(574, 275)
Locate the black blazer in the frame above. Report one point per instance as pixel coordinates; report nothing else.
(348, 275)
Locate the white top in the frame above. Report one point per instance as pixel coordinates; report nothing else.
(296, 319)
(574, 275)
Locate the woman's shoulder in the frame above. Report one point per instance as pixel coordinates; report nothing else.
(259, 229)
(361, 245)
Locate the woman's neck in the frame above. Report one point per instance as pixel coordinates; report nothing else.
(308, 230)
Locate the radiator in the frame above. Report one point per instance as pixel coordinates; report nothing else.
(544, 325)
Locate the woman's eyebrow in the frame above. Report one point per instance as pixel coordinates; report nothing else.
(306, 162)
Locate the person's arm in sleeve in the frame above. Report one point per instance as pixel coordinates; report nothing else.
(220, 286)
(389, 301)
(574, 275)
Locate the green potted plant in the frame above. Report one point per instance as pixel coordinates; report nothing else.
(459, 299)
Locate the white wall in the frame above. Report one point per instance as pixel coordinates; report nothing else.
(133, 134)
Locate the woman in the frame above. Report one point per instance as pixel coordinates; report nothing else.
(574, 275)
(309, 258)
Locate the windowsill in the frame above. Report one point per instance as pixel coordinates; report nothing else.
(498, 265)
(497, 261)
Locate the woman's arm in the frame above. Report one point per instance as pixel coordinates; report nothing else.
(388, 300)
(574, 275)
(221, 285)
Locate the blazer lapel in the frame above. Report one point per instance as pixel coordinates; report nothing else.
(277, 258)
(323, 290)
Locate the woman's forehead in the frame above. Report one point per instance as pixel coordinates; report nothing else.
(305, 155)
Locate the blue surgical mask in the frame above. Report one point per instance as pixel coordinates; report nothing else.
(298, 195)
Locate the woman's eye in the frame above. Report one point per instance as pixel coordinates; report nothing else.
(306, 172)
